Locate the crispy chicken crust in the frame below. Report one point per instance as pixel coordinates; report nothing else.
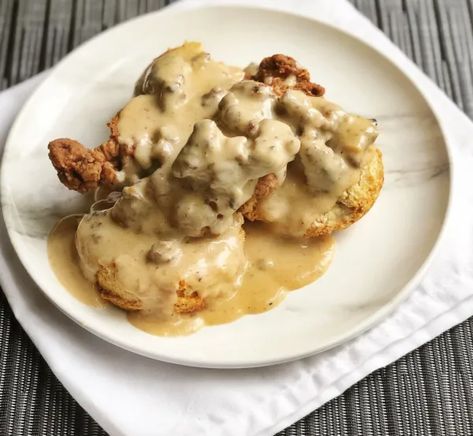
(82, 169)
(356, 201)
(277, 71)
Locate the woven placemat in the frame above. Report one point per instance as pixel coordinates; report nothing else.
(427, 392)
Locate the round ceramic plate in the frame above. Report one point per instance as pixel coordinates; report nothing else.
(376, 261)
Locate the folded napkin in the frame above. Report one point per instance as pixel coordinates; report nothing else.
(132, 395)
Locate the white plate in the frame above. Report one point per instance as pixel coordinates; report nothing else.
(377, 260)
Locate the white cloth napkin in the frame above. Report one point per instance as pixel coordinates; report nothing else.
(132, 395)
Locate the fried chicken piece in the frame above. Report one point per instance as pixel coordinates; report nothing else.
(82, 169)
(280, 71)
(110, 289)
(276, 71)
(356, 201)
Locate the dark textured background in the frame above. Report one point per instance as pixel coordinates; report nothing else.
(427, 392)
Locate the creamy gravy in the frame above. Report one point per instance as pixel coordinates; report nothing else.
(292, 208)
(274, 266)
(205, 137)
(199, 138)
(65, 262)
(179, 88)
(201, 145)
(140, 267)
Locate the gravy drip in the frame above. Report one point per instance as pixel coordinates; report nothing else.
(334, 146)
(146, 268)
(275, 265)
(176, 90)
(65, 263)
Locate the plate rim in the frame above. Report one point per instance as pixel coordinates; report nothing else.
(360, 327)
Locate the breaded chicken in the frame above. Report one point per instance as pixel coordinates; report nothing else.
(282, 72)
(83, 169)
(356, 201)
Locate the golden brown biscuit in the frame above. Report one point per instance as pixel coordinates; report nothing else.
(110, 289)
(355, 202)
(350, 207)
(263, 188)
(188, 300)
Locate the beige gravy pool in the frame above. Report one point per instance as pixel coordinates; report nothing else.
(64, 261)
(275, 265)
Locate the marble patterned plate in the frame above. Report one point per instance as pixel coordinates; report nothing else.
(377, 260)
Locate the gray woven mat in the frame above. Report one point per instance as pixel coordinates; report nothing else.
(429, 391)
